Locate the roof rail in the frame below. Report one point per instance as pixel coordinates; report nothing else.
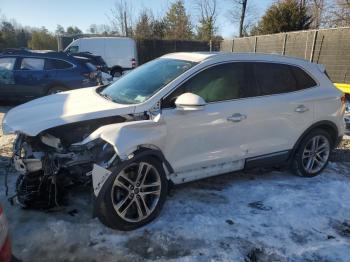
(15, 50)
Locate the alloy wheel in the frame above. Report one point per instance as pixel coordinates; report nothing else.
(136, 191)
(315, 154)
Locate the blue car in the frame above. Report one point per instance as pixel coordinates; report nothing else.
(25, 74)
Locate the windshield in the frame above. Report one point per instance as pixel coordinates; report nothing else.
(144, 81)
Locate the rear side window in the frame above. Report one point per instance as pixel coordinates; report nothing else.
(279, 78)
(32, 64)
(7, 63)
(52, 64)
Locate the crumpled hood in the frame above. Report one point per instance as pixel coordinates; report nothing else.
(55, 110)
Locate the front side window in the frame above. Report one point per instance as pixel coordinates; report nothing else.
(218, 83)
(144, 81)
(32, 64)
(52, 64)
(7, 63)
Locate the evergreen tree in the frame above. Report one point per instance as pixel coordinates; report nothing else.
(284, 16)
(178, 25)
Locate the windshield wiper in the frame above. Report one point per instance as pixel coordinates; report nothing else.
(106, 96)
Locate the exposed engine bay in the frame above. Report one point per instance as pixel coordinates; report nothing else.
(51, 162)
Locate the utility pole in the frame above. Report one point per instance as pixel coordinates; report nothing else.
(241, 21)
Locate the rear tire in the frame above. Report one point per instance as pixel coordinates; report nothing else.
(312, 154)
(130, 199)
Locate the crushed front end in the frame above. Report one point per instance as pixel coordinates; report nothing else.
(49, 165)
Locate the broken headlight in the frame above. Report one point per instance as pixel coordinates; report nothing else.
(105, 155)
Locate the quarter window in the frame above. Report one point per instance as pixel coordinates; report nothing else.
(52, 64)
(303, 79)
(7, 63)
(219, 83)
(32, 64)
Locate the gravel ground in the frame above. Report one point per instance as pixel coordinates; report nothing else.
(261, 215)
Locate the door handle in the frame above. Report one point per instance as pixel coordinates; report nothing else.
(236, 118)
(301, 109)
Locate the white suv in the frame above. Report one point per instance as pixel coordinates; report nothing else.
(182, 117)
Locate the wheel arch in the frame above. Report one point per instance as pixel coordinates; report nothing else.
(56, 84)
(154, 151)
(326, 125)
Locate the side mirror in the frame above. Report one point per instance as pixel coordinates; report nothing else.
(189, 102)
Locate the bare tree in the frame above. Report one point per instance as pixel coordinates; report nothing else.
(317, 12)
(340, 14)
(121, 17)
(207, 20)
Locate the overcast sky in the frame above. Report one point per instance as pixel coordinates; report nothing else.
(83, 13)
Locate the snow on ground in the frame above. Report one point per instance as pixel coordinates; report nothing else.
(262, 215)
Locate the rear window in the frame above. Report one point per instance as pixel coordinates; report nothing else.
(52, 64)
(32, 64)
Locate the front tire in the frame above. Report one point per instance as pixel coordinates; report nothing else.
(313, 153)
(133, 195)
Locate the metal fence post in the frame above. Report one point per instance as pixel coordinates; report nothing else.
(255, 44)
(233, 45)
(284, 44)
(313, 46)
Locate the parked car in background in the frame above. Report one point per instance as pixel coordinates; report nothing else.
(96, 60)
(345, 88)
(119, 53)
(5, 243)
(26, 74)
(198, 115)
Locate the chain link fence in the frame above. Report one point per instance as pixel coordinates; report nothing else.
(330, 47)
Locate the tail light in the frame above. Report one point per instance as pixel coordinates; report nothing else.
(343, 100)
(133, 63)
(5, 244)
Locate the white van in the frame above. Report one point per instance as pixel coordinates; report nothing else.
(119, 53)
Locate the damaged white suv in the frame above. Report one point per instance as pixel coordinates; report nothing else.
(182, 117)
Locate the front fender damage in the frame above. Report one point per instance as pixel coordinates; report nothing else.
(128, 138)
